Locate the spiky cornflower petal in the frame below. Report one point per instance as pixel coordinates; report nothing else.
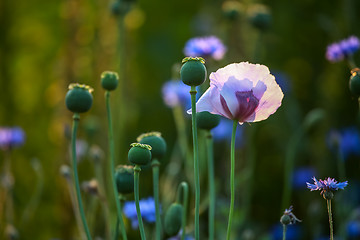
(326, 185)
(243, 92)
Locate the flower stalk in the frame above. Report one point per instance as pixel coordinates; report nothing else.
(232, 179)
(328, 201)
(112, 164)
(76, 118)
(196, 162)
(183, 190)
(211, 179)
(137, 170)
(155, 170)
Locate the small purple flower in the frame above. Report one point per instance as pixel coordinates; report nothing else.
(288, 217)
(347, 140)
(11, 137)
(205, 47)
(243, 92)
(327, 185)
(176, 93)
(302, 175)
(147, 209)
(338, 51)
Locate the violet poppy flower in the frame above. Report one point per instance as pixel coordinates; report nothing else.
(242, 92)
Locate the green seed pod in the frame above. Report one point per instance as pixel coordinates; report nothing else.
(173, 219)
(139, 154)
(354, 83)
(193, 71)
(157, 143)
(328, 195)
(79, 99)
(109, 80)
(232, 9)
(124, 176)
(285, 219)
(206, 120)
(260, 17)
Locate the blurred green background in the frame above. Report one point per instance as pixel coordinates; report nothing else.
(45, 45)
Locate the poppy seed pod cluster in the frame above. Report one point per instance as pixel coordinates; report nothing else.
(79, 99)
(139, 154)
(157, 143)
(193, 71)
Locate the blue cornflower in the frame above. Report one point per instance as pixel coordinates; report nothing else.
(147, 209)
(11, 137)
(288, 217)
(301, 175)
(327, 185)
(205, 47)
(338, 51)
(176, 93)
(348, 141)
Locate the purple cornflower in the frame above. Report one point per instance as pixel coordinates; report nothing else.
(338, 51)
(147, 209)
(327, 185)
(11, 137)
(205, 47)
(347, 140)
(289, 217)
(176, 93)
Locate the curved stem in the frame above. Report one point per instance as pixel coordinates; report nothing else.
(196, 162)
(112, 164)
(330, 219)
(137, 170)
(185, 196)
(211, 179)
(232, 179)
(289, 166)
(155, 169)
(284, 232)
(76, 119)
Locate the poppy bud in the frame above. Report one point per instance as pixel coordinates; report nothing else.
(139, 154)
(173, 219)
(157, 143)
(124, 176)
(207, 121)
(193, 71)
(109, 80)
(79, 99)
(260, 17)
(354, 82)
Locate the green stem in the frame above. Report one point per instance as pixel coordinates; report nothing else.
(284, 232)
(232, 179)
(330, 219)
(76, 119)
(196, 162)
(211, 179)
(289, 166)
(185, 196)
(155, 169)
(112, 164)
(137, 170)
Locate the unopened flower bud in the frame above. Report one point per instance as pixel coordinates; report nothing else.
(173, 219)
(124, 176)
(139, 154)
(328, 195)
(157, 143)
(193, 71)
(79, 99)
(354, 83)
(207, 121)
(109, 80)
(232, 9)
(90, 187)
